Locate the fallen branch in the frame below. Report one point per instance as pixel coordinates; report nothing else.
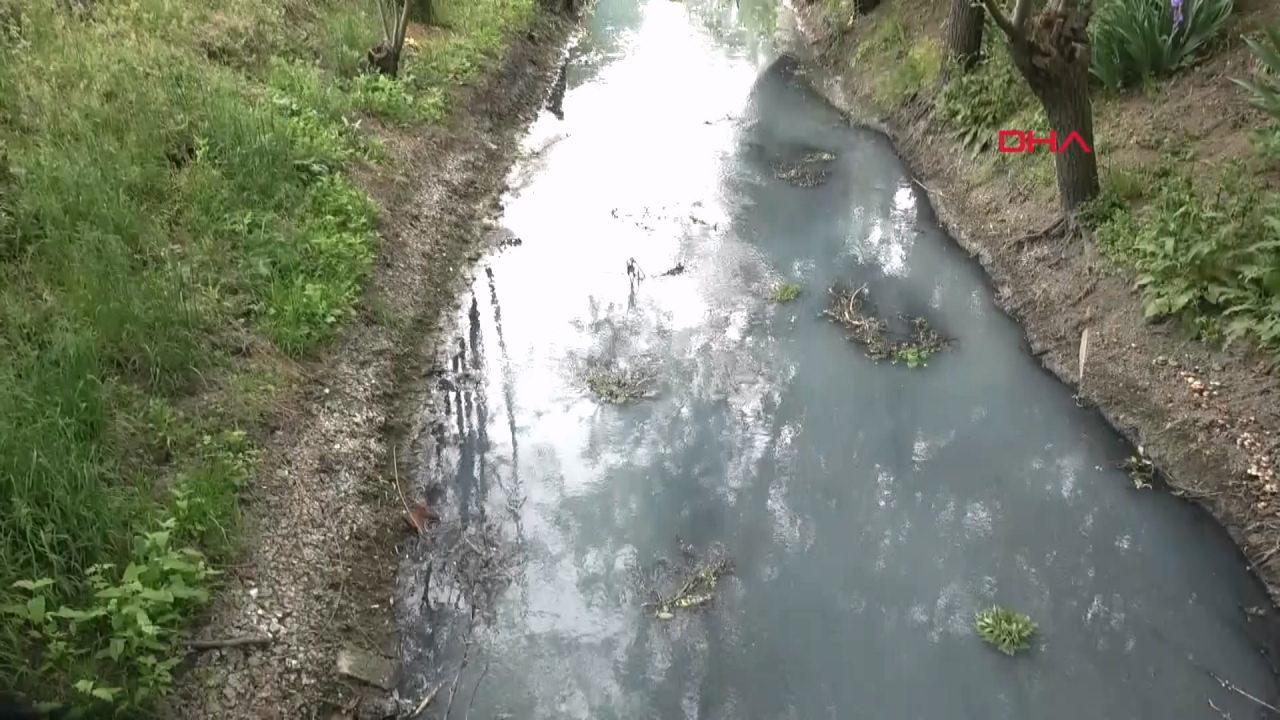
(218, 644)
(1228, 685)
(453, 689)
(475, 690)
(426, 701)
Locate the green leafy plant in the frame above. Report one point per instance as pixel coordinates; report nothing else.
(1007, 630)
(122, 646)
(913, 356)
(1133, 40)
(1213, 262)
(785, 292)
(980, 102)
(1266, 85)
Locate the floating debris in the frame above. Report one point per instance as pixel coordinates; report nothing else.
(697, 589)
(872, 332)
(811, 170)
(618, 385)
(1140, 468)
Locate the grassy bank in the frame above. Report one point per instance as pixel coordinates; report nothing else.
(178, 225)
(1189, 211)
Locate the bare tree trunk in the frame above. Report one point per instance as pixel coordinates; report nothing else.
(1070, 111)
(964, 33)
(1051, 52)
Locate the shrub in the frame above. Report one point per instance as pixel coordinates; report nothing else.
(1265, 88)
(1134, 40)
(980, 102)
(119, 647)
(1265, 85)
(1006, 629)
(1212, 262)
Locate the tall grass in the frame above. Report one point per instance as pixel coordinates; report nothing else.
(172, 182)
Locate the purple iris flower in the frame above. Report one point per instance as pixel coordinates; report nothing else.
(1177, 13)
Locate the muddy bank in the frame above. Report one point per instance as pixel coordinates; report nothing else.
(324, 518)
(1209, 420)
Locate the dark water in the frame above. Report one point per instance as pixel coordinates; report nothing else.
(870, 510)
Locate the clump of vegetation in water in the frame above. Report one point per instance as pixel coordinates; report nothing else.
(785, 292)
(697, 587)
(811, 170)
(1141, 470)
(1008, 630)
(851, 310)
(620, 385)
(914, 357)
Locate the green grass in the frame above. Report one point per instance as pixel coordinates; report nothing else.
(785, 292)
(173, 181)
(900, 65)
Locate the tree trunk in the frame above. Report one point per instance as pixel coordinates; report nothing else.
(385, 60)
(1053, 56)
(964, 33)
(1069, 110)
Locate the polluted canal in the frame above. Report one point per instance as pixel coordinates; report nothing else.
(666, 483)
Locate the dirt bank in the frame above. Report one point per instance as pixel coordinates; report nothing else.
(324, 517)
(1210, 420)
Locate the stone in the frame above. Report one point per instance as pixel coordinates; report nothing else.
(367, 668)
(378, 707)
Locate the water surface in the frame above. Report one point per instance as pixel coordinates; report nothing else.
(869, 509)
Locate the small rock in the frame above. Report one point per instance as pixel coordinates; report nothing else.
(367, 667)
(378, 707)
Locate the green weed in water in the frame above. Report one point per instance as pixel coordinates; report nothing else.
(785, 292)
(1009, 631)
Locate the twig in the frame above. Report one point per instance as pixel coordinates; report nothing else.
(231, 642)
(1224, 714)
(395, 470)
(453, 689)
(476, 690)
(1227, 684)
(1048, 230)
(426, 701)
(928, 189)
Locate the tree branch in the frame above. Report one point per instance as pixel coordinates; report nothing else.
(1020, 13)
(402, 26)
(229, 642)
(1002, 21)
(386, 26)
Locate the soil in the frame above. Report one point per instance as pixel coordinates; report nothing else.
(325, 519)
(1208, 419)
